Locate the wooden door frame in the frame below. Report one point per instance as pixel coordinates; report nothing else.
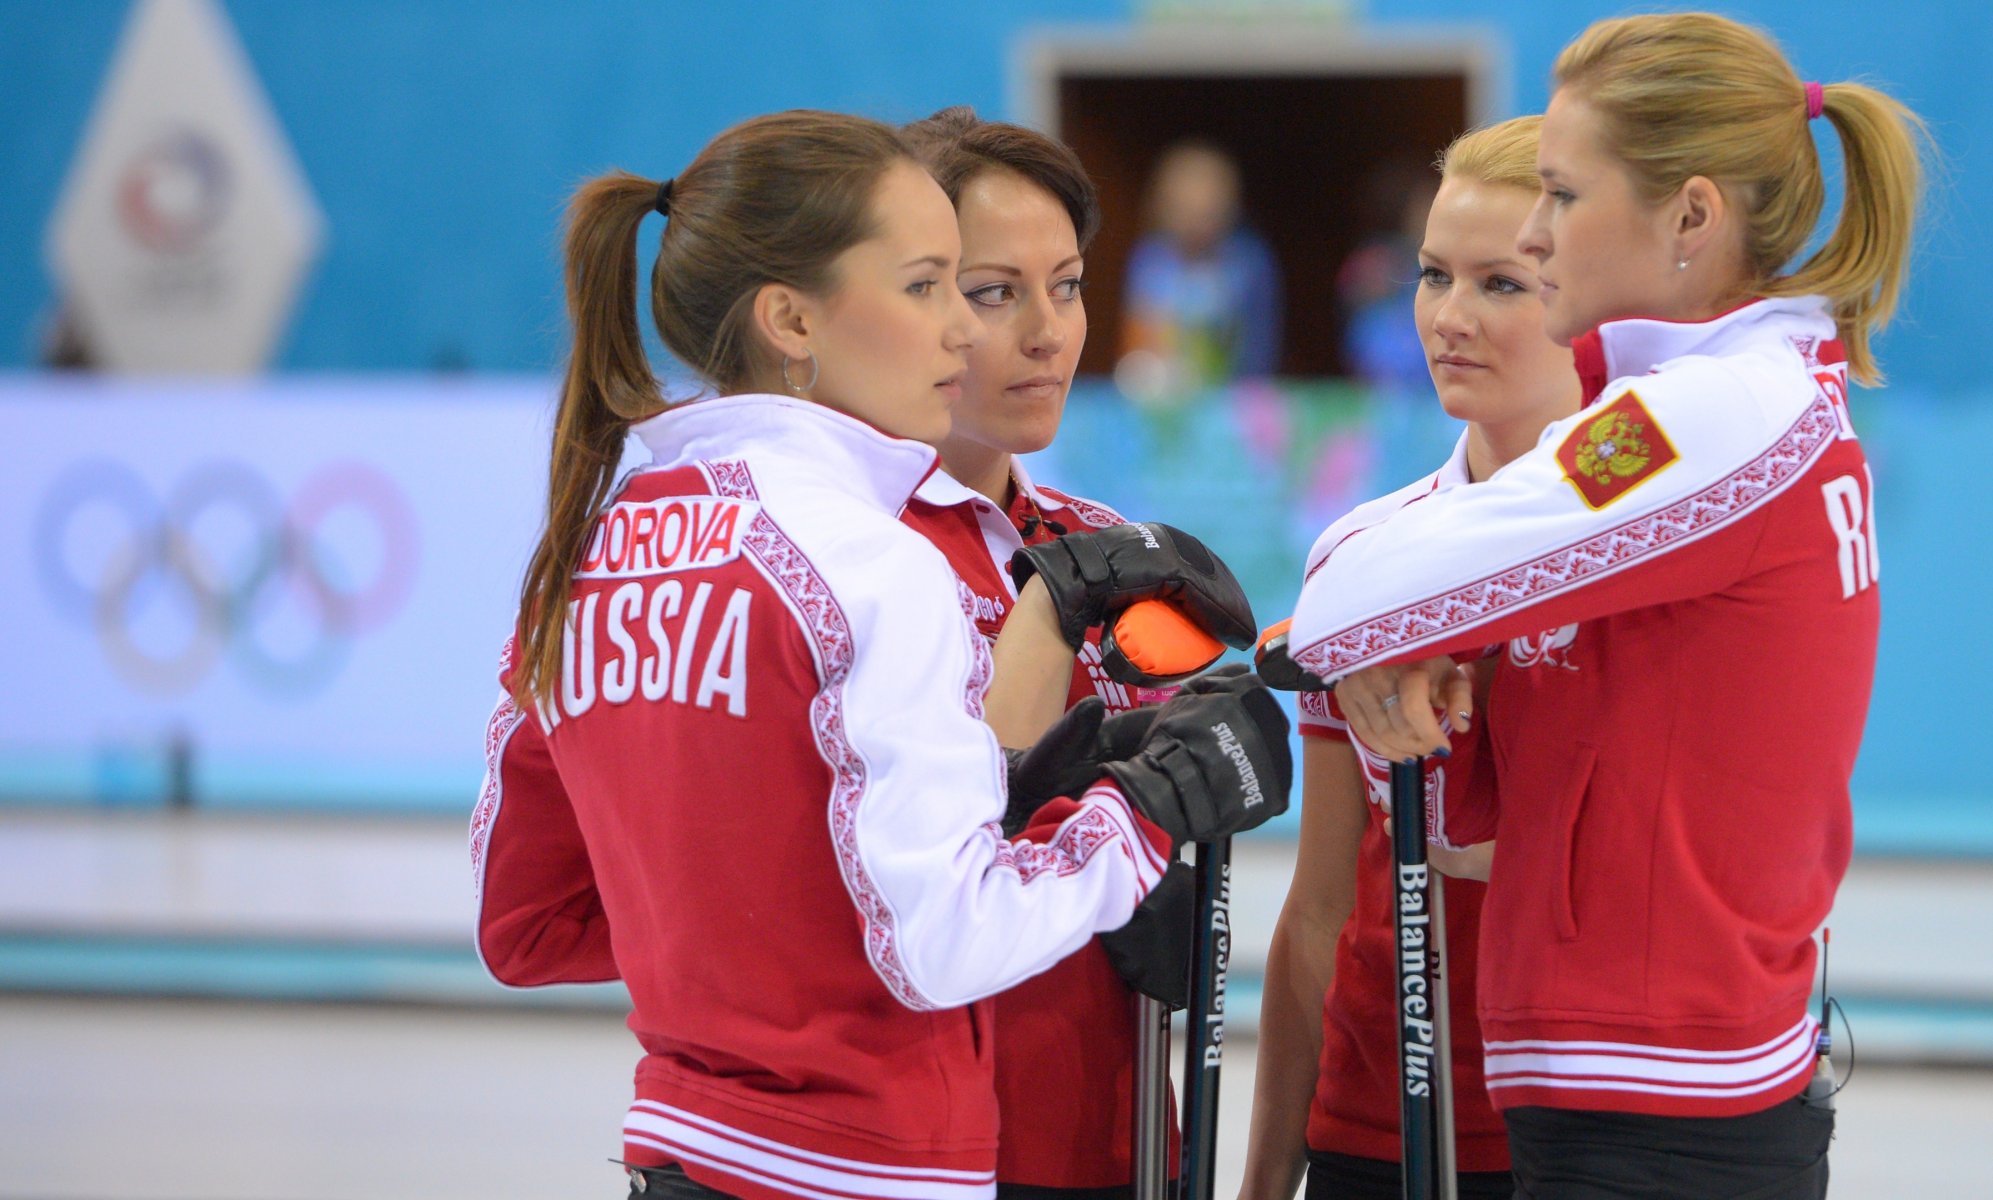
(1480, 53)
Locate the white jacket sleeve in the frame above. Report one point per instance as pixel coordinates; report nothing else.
(953, 912)
(1563, 534)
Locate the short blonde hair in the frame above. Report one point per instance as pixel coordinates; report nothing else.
(1502, 154)
(1687, 94)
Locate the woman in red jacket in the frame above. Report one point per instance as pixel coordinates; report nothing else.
(1673, 825)
(1027, 211)
(1327, 1096)
(741, 763)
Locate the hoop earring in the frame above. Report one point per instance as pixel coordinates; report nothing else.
(791, 384)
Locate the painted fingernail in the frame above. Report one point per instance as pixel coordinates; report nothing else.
(1442, 752)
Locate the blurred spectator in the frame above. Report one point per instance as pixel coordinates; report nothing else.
(1202, 303)
(1376, 283)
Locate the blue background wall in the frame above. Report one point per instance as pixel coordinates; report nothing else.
(442, 135)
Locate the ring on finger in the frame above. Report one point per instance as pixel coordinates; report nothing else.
(1388, 702)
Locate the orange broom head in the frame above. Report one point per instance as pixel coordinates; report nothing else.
(1158, 639)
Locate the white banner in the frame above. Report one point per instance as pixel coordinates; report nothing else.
(186, 226)
(305, 584)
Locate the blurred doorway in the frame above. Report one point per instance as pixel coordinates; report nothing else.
(1321, 122)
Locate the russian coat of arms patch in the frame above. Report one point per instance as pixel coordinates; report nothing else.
(1614, 450)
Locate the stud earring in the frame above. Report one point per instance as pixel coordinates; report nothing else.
(1683, 265)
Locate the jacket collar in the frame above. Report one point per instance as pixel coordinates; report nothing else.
(809, 439)
(1640, 345)
(945, 491)
(1454, 472)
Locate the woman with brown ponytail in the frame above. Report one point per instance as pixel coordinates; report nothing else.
(1673, 799)
(741, 763)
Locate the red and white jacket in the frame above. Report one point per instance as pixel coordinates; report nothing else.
(1356, 1106)
(766, 799)
(1670, 568)
(1066, 1038)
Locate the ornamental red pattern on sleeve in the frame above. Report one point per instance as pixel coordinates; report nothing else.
(1356, 1107)
(1665, 566)
(764, 796)
(1066, 1038)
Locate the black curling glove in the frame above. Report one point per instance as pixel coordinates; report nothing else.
(1071, 757)
(1216, 761)
(1095, 574)
(1151, 952)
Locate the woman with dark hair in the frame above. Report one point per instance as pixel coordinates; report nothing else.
(741, 763)
(1065, 1039)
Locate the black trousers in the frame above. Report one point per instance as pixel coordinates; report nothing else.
(669, 1183)
(1777, 1154)
(1333, 1176)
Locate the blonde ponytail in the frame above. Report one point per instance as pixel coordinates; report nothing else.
(1864, 264)
(1687, 94)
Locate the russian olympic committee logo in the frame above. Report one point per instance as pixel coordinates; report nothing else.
(221, 565)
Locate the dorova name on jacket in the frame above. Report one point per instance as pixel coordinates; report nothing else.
(669, 642)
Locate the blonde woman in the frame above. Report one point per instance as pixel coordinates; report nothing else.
(1673, 825)
(1327, 1095)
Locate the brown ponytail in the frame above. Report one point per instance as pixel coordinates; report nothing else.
(773, 200)
(1687, 94)
(609, 385)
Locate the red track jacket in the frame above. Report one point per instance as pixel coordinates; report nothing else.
(766, 799)
(1684, 573)
(1065, 1039)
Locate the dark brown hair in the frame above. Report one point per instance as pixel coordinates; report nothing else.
(957, 145)
(772, 200)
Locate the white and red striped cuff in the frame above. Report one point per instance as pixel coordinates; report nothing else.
(764, 1163)
(1150, 863)
(1653, 1070)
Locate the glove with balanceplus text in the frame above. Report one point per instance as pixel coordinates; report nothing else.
(1095, 574)
(1215, 763)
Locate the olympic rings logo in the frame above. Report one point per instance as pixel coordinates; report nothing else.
(221, 565)
(175, 192)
